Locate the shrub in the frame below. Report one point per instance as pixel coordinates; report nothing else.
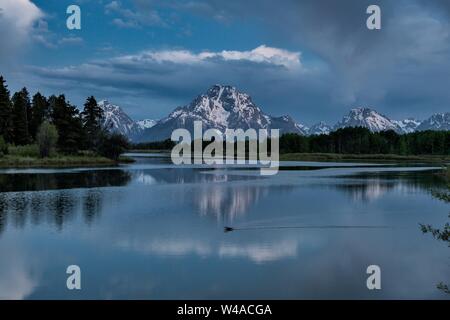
(47, 137)
(28, 150)
(3, 147)
(112, 145)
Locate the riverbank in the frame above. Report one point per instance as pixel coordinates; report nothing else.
(362, 157)
(60, 161)
(336, 157)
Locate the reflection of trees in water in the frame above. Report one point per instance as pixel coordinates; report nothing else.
(56, 206)
(92, 204)
(370, 186)
(442, 234)
(63, 180)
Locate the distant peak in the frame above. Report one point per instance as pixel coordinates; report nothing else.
(218, 89)
(362, 110)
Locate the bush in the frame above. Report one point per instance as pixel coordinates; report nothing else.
(112, 145)
(47, 137)
(3, 147)
(28, 150)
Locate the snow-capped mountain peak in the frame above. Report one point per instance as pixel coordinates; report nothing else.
(367, 118)
(319, 128)
(146, 123)
(438, 121)
(116, 120)
(407, 126)
(220, 107)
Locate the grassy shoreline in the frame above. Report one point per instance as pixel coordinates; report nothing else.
(20, 161)
(341, 157)
(60, 161)
(362, 157)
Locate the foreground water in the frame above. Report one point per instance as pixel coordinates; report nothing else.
(151, 230)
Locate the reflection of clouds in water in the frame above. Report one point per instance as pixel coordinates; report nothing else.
(261, 252)
(256, 252)
(16, 281)
(167, 247)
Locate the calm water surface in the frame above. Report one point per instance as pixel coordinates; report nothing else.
(151, 230)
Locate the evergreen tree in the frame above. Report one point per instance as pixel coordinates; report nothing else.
(39, 113)
(68, 123)
(21, 106)
(92, 117)
(5, 112)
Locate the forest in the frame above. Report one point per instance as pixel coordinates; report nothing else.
(355, 140)
(52, 126)
(360, 140)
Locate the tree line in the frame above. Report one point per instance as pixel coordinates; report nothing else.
(351, 140)
(54, 123)
(358, 140)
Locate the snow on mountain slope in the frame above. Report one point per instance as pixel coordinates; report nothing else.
(319, 128)
(221, 107)
(146, 123)
(367, 118)
(116, 120)
(438, 121)
(406, 126)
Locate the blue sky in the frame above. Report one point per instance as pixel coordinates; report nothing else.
(311, 59)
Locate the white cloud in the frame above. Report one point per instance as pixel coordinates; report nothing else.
(261, 54)
(128, 18)
(71, 40)
(265, 54)
(17, 18)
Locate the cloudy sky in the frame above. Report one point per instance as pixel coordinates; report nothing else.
(312, 59)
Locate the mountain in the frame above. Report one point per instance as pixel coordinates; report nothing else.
(116, 120)
(223, 107)
(319, 128)
(220, 107)
(438, 121)
(146, 123)
(367, 118)
(407, 126)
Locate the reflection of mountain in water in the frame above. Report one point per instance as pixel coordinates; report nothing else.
(187, 175)
(372, 185)
(220, 194)
(228, 202)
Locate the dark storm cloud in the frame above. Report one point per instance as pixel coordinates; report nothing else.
(167, 79)
(401, 70)
(410, 55)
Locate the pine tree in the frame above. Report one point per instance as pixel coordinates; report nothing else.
(21, 107)
(39, 113)
(5, 112)
(92, 117)
(68, 123)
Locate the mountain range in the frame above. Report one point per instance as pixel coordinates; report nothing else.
(223, 107)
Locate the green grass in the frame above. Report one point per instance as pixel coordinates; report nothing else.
(149, 151)
(28, 156)
(11, 161)
(361, 157)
